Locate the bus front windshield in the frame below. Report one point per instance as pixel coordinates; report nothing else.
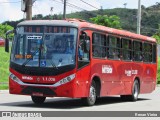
(44, 46)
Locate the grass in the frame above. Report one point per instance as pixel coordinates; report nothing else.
(4, 68)
(4, 87)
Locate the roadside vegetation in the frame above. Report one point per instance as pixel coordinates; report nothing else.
(4, 68)
(3, 29)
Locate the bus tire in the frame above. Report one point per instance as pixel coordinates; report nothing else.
(135, 93)
(38, 100)
(91, 99)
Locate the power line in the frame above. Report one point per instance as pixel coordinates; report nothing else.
(70, 5)
(89, 4)
(62, 3)
(81, 9)
(75, 6)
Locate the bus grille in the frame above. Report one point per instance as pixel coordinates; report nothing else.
(44, 90)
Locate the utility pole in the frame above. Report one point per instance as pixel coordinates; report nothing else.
(125, 4)
(64, 10)
(29, 10)
(139, 18)
(51, 10)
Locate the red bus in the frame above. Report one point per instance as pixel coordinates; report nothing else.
(77, 59)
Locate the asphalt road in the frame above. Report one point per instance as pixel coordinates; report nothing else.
(146, 102)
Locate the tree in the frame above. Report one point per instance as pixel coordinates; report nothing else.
(108, 21)
(4, 29)
(38, 17)
(157, 35)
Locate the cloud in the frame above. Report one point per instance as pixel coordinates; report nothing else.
(41, 7)
(13, 11)
(108, 4)
(10, 11)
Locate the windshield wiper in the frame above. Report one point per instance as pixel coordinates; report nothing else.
(33, 54)
(53, 64)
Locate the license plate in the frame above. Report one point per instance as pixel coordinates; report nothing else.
(37, 94)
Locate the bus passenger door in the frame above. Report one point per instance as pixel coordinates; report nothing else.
(83, 70)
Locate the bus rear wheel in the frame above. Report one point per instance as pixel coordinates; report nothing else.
(135, 92)
(38, 100)
(91, 99)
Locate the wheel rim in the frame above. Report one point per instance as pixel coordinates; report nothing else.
(136, 89)
(92, 96)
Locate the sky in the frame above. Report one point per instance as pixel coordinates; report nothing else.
(10, 10)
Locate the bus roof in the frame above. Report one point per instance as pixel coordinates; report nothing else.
(48, 22)
(83, 24)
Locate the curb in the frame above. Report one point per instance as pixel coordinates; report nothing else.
(4, 91)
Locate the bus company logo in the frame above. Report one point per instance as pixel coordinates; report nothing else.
(128, 72)
(107, 69)
(134, 72)
(131, 72)
(27, 78)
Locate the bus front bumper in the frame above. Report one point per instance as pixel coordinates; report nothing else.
(40, 89)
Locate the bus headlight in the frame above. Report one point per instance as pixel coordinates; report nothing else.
(13, 77)
(64, 80)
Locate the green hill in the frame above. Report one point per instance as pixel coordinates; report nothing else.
(150, 18)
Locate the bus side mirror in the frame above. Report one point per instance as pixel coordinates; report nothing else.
(7, 40)
(6, 45)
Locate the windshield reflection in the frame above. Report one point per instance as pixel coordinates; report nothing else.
(46, 49)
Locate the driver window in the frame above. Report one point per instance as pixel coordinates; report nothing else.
(84, 47)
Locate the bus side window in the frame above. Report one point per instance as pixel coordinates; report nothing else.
(154, 53)
(137, 51)
(127, 49)
(147, 52)
(114, 48)
(99, 48)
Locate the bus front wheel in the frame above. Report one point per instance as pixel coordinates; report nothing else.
(91, 99)
(38, 100)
